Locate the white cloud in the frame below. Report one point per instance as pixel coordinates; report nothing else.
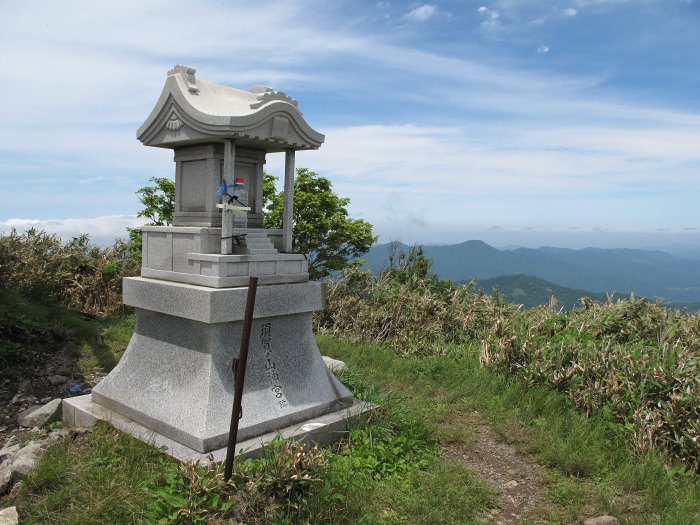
(542, 49)
(421, 13)
(102, 230)
(569, 11)
(491, 16)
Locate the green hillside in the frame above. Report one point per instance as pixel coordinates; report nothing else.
(532, 291)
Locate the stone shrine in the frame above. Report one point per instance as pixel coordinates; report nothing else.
(174, 384)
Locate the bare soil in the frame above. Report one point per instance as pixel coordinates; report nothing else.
(517, 478)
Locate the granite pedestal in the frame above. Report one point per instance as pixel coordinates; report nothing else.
(175, 377)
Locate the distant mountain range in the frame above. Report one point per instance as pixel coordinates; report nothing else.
(649, 273)
(532, 291)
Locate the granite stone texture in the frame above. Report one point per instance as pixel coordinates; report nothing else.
(212, 305)
(82, 411)
(175, 377)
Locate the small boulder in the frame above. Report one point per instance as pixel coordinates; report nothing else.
(25, 460)
(601, 520)
(5, 477)
(57, 380)
(63, 370)
(38, 415)
(9, 516)
(334, 365)
(24, 393)
(8, 453)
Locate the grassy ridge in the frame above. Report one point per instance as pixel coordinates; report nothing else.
(77, 274)
(634, 362)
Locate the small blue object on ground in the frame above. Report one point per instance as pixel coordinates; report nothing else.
(76, 389)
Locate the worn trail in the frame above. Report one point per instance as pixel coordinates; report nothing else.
(518, 479)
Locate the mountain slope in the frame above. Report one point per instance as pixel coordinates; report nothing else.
(531, 291)
(645, 272)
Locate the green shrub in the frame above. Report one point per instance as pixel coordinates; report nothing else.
(77, 274)
(634, 361)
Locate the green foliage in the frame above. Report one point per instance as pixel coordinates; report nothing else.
(104, 476)
(584, 456)
(531, 291)
(77, 274)
(158, 201)
(406, 307)
(32, 334)
(635, 362)
(159, 204)
(322, 227)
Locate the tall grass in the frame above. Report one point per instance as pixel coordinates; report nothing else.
(77, 274)
(633, 361)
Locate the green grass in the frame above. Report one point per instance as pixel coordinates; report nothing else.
(102, 477)
(388, 471)
(31, 333)
(589, 465)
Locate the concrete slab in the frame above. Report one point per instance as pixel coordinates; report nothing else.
(82, 411)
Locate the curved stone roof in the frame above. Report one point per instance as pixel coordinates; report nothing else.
(191, 111)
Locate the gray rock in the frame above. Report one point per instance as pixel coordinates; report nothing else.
(45, 400)
(12, 440)
(37, 416)
(8, 453)
(24, 393)
(601, 520)
(25, 461)
(57, 380)
(25, 389)
(5, 478)
(57, 435)
(64, 370)
(334, 365)
(9, 516)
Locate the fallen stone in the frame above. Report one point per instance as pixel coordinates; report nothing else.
(56, 380)
(601, 520)
(510, 484)
(25, 461)
(25, 388)
(45, 400)
(37, 416)
(9, 516)
(8, 453)
(64, 370)
(12, 440)
(5, 477)
(334, 365)
(57, 435)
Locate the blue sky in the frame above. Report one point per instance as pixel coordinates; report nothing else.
(573, 123)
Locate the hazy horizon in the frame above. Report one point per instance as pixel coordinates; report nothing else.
(514, 122)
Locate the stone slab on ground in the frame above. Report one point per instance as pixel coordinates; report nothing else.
(25, 460)
(38, 415)
(601, 520)
(5, 477)
(9, 516)
(334, 365)
(82, 411)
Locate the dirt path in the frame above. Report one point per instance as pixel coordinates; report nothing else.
(518, 479)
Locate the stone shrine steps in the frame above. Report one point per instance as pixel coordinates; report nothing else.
(255, 243)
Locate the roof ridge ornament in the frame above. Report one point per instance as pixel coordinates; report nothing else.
(266, 97)
(187, 74)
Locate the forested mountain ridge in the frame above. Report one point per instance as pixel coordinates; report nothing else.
(650, 273)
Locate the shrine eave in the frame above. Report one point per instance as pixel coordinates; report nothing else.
(191, 111)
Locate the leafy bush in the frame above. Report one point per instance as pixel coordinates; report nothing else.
(77, 274)
(259, 491)
(634, 361)
(407, 308)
